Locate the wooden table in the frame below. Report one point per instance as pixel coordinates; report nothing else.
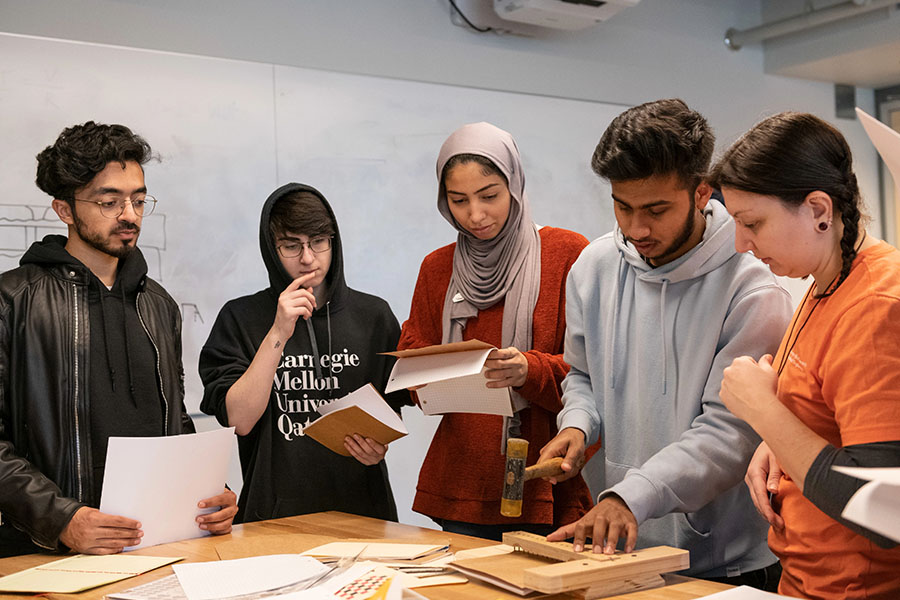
(344, 526)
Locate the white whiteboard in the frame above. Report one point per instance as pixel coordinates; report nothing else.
(229, 132)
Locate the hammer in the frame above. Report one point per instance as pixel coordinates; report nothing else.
(517, 475)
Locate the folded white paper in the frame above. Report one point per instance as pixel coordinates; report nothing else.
(876, 505)
(886, 141)
(225, 578)
(453, 379)
(159, 481)
(375, 551)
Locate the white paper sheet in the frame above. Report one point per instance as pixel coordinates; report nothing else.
(876, 505)
(418, 370)
(886, 140)
(368, 399)
(224, 578)
(159, 480)
(372, 551)
(454, 383)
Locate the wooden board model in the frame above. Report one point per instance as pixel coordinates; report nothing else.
(640, 569)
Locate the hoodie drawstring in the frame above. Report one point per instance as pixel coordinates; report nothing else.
(315, 347)
(662, 333)
(611, 327)
(330, 353)
(106, 344)
(112, 370)
(127, 353)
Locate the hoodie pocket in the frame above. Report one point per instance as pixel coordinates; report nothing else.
(693, 526)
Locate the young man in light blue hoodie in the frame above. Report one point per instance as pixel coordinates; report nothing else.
(655, 310)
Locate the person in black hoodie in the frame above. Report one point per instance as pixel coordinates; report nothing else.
(90, 347)
(273, 357)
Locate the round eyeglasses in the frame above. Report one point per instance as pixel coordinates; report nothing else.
(113, 209)
(294, 248)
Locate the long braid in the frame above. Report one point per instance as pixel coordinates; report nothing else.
(848, 205)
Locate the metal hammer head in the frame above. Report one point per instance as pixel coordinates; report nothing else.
(517, 475)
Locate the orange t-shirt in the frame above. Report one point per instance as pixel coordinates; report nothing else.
(841, 377)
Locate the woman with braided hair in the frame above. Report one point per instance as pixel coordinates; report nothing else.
(831, 395)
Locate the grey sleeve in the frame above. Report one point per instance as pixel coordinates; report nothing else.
(830, 490)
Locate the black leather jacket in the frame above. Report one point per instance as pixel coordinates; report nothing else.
(45, 447)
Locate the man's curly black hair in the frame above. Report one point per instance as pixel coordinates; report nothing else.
(82, 151)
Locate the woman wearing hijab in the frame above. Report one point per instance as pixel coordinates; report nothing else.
(502, 282)
(831, 395)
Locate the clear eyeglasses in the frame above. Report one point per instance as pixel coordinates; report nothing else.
(113, 209)
(294, 248)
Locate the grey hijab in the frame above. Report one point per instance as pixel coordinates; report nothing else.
(507, 267)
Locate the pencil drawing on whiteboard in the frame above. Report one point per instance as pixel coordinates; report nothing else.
(23, 224)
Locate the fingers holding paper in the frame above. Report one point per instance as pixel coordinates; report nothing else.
(506, 367)
(93, 532)
(218, 522)
(365, 450)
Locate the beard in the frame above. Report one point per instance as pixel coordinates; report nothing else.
(106, 243)
(687, 230)
(684, 235)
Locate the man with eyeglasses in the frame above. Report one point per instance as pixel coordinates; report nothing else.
(90, 347)
(274, 357)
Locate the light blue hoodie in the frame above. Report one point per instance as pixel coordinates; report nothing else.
(647, 347)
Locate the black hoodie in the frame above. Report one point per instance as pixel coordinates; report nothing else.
(285, 472)
(124, 395)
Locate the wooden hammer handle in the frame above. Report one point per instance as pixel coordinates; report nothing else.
(548, 468)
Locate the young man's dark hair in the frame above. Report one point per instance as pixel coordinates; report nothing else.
(300, 212)
(656, 138)
(82, 151)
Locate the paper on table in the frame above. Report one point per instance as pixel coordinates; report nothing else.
(876, 505)
(370, 550)
(159, 480)
(81, 572)
(454, 377)
(500, 566)
(886, 141)
(224, 578)
(363, 411)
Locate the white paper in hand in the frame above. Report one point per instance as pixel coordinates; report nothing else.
(875, 505)
(159, 481)
(886, 141)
